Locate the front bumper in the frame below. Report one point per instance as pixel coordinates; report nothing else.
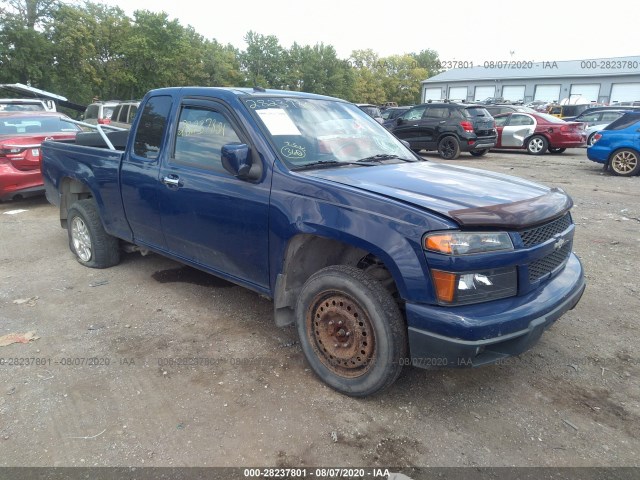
(480, 334)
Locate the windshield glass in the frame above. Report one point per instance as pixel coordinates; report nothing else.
(311, 131)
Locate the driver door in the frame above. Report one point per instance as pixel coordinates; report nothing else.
(210, 217)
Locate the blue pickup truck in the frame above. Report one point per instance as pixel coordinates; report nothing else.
(379, 258)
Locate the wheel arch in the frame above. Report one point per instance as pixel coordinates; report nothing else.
(71, 190)
(307, 253)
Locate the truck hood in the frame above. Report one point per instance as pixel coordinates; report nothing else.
(471, 197)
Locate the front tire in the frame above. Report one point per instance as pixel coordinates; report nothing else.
(91, 244)
(625, 162)
(351, 330)
(449, 148)
(537, 145)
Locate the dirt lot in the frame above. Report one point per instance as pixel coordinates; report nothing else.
(574, 400)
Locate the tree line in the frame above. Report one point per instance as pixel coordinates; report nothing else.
(88, 50)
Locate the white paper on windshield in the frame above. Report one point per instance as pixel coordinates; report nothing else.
(278, 121)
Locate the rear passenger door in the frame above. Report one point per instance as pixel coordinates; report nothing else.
(434, 121)
(210, 217)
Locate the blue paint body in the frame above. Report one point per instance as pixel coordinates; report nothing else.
(240, 230)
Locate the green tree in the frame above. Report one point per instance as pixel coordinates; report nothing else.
(24, 49)
(318, 70)
(263, 61)
(401, 77)
(368, 78)
(221, 65)
(429, 60)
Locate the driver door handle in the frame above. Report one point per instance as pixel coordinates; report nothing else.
(171, 180)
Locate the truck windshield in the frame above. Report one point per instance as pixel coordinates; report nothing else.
(309, 132)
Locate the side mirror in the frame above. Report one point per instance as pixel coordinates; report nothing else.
(236, 159)
(405, 143)
(399, 121)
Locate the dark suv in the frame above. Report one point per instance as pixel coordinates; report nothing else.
(449, 128)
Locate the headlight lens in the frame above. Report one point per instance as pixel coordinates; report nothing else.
(475, 287)
(467, 243)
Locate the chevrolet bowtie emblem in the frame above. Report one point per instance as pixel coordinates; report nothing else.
(559, 244)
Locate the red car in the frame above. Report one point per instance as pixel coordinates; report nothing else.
(21, 134)
(538, 132)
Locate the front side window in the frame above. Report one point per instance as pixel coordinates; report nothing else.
(414, 113)
(201, 135)
(151, 127)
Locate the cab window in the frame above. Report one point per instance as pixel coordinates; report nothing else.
(150, 131)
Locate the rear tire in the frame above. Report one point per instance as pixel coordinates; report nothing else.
(625, 162)
(351, 330)
(537, 145)
(449, 148)
(91, 244)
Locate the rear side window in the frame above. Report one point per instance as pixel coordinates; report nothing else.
(437, 112)
(476, 112)
(623, 122)
(116, 112)
(150, 131)
(91, 112)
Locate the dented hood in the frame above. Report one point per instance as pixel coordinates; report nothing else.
(471, 197)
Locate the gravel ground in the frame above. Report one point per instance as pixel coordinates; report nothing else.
(103, 394)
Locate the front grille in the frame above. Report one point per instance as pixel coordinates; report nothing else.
(539, 268)
(538, 235)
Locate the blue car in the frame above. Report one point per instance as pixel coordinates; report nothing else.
(618, 146)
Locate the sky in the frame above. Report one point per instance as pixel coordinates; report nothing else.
(459, 30)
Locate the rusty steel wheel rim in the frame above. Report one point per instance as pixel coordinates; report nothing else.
(341, 334)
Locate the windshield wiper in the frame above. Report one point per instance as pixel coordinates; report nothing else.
(332, 163)
(383, 156)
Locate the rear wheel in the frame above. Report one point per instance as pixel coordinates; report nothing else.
(625, 162)
(448, 148)
(537, 145)
(351, 330)
(88, 240)
(556, 150)
(479, 153)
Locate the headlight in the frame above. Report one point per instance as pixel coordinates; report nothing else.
(475, 287)
(467, 243)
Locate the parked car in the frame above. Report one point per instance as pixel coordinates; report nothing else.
(491, 101)
(498, 109)
(618, 145)
(538, 132)
(391, 113)
(21, 134)
(123, 114)
(379, 258)
(598, 120)
(567, 111)
(372, 110)
(578, 118)
(26, 105)
(449, 128)
(100, 112)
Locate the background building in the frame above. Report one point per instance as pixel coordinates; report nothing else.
(602, 80)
